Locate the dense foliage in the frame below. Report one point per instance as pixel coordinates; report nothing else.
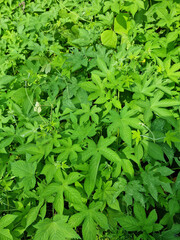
(89, 119)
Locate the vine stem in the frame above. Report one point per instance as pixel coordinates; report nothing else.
(153, 137)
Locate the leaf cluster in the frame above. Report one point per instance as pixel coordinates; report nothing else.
(89, 119)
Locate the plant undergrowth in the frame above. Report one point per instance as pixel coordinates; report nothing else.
(89, 119)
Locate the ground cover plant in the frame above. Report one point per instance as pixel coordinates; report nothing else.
(89, 119)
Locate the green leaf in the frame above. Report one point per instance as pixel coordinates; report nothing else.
(5, 80)
(164, 171)
(51, 188)
(90, 180)
(73, 177)
(102, 65)
(134, 6)
(139, 212)
(57, 228)
(110, 154)
(25, 171)
(88, 86)
(127, 167)
(138, 150)
(76, 219)
(123, 122)
(7, 220)
(32, 215)
(155, 151)
(171, 137)
(125, 132)
(134, 189)
(109, 38)
(5, 234)
(49, 171)
(152, 183)
(105, 142)
(173, 207)
(152, 218)
(89, 229)
(171, 233)
(120, 24)
(129, 223)
(18, 96)
(6, 142)
(172, 36)
(59, 202)
(101, 220)
(72, 195)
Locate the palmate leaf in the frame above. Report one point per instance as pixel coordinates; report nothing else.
(155, 178)
(134, 190)
(95, 87)
(76, 60)
(108, 194)
(94, 153)
(144, 86)
(123, 122)
(166, 18)
(56, 228)
(67, 150)
(134, 6)
(61, 188)
(172, 137)
(37, 152)
(92, 149)
(82, 132)
(159, 107)
(86, 112)
(91, 217)
(140, 222)
(129, 223)
(49, 171)
(152, 183)
(25, 171)
(102, 65)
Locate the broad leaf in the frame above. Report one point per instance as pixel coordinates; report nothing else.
(54, 229)
(25, 171)
(109, 38)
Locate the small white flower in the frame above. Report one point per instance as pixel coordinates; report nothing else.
(37, 107)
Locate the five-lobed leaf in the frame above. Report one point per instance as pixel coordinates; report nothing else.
(57, 228)
(25, 171)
